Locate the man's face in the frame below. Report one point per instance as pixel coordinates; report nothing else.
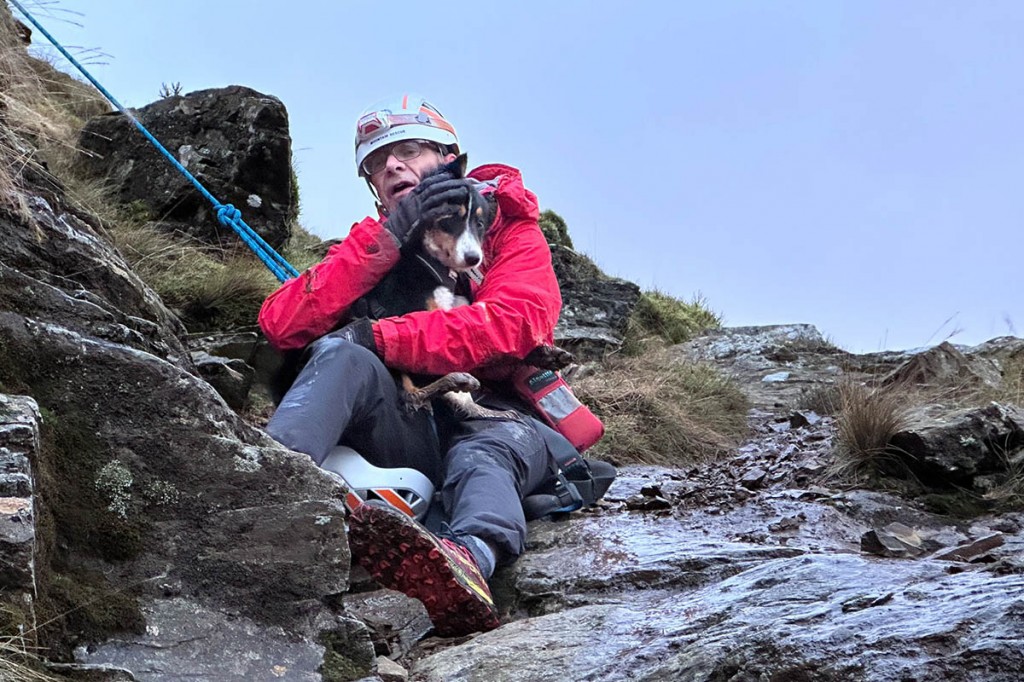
(397, 178)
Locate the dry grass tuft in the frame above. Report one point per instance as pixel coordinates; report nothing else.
(304, 249)
(206, 287)
(18, 662)
(823, 399)
(657, 410)
(41, 113)
(867, 420)
(1009, 495)
(1012, 389)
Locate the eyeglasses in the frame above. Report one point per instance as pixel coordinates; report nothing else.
(403, 151)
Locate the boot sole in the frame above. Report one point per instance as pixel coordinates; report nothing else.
(402, 556)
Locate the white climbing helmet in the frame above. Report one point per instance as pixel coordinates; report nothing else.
(409, 117)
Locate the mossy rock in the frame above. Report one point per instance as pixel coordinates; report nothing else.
(83, 607)
(554, 228)
(344, 659)
(79, 479)
(659, 316)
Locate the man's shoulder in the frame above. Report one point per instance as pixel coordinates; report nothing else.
(495, 171)
(514, 200)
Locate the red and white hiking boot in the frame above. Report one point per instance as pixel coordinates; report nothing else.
(402, 555)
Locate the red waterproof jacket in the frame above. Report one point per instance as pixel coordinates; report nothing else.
(514, 309)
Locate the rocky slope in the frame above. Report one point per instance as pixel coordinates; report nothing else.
(758, 567)
(148, 533)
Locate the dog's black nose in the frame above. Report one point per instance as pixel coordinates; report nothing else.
(472, 259)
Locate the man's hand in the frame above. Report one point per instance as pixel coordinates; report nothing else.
(359, 332)
(405, 218)
(451, 197)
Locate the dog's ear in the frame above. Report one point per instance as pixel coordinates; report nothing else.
(457, 167)
(484, 210)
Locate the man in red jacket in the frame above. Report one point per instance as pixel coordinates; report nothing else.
(345, 393)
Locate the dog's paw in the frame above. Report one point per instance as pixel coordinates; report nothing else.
(462, 382)
(549, 357)
(412, 402)
(464, 407)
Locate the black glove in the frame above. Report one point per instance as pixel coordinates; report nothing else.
(359, 332)
(443, 197)
(405, 218)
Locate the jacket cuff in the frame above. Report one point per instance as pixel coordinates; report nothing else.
(378, 339)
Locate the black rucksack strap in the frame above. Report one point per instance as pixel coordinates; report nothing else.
(576, 482)
(561, 497)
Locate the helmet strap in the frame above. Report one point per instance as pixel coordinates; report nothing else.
(376, 197)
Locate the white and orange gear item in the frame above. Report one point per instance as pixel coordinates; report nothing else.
(409, 117)
(407, 490)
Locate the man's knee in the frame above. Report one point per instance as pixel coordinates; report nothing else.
(512, 447)
(338, 381)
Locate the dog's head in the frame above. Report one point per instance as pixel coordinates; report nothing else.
(455, 236)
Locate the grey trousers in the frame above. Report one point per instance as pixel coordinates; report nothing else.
(482, 467)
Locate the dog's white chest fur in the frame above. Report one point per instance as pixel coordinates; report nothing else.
(445, 299)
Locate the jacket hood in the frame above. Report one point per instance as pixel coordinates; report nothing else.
(514, 200)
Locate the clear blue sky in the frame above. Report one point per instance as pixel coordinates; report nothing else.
(856, 165)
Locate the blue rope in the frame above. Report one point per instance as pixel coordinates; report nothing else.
(227, 215)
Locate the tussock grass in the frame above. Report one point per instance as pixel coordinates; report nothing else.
(657, 410)
(41, 112)
(823, 399)
(229, 297)
(208, 288)
(659, 319)
(1012, 389)
(554, 228)
(868, 419)
(304, 249)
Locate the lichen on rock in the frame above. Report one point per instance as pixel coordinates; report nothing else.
(114, 482)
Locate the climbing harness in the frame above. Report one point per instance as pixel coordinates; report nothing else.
(227, 215)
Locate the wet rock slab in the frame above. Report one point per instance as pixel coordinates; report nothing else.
(187, 641)
(600, 557)
(811, 617)
(775, 364)
(736, 584)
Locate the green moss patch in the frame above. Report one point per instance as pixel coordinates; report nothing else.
(343, 662)
(554, 228)
(88, 491)
(81, 607)
(660, 318)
